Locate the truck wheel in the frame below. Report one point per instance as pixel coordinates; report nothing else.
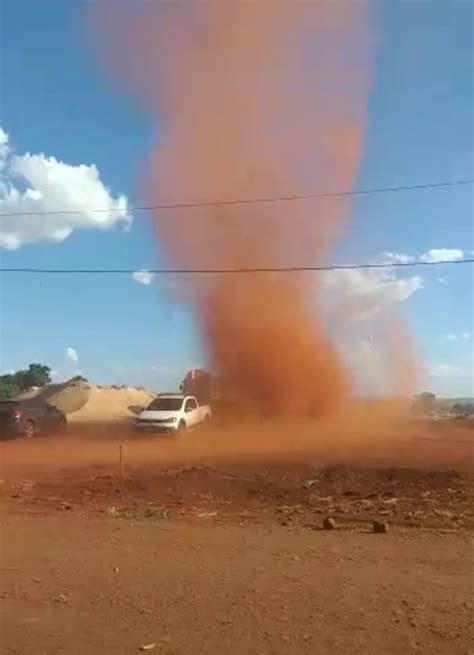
(30, 430)
(181, 426)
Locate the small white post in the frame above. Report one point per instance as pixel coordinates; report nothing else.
(122, 469)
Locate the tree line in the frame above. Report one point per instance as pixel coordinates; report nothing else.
(36, 375)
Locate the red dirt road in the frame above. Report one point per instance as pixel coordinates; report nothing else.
(203, 555)
(76, 585)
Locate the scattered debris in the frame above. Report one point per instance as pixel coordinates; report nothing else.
(194, 470)
(329, 523)
(401, 496)
(60, 598)
(380, 527)
(156, 513)
(206, 515)
(138, 513)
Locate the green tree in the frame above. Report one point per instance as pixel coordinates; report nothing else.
(36, 375)
(78, 378)
(8, 386)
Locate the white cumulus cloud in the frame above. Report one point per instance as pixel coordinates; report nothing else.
(71, 354)
(360, 294)
(397, 257)
(436, 255)
(37, 183)
(142, 277)
(462, 336)
(444, 371)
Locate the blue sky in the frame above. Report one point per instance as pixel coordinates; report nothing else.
(55, 101)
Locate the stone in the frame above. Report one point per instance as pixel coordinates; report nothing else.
(380, 527)
(329, 523)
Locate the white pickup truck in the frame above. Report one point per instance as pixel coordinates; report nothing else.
(172, 413)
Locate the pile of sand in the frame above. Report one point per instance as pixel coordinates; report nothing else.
(83, 402)
(111, 403)
(68, 397)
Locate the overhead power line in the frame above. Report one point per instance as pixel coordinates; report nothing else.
(201, 271)
(244, 201)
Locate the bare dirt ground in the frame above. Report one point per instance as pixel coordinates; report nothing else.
(202, 554)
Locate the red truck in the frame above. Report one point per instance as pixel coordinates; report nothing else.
(197, 383)
(212, 391)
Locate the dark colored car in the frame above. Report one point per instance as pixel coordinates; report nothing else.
(28, 417)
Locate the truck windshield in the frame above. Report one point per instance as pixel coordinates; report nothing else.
(165, 404)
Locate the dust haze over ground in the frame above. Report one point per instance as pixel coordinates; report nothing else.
(348, 441)
(370, 433)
